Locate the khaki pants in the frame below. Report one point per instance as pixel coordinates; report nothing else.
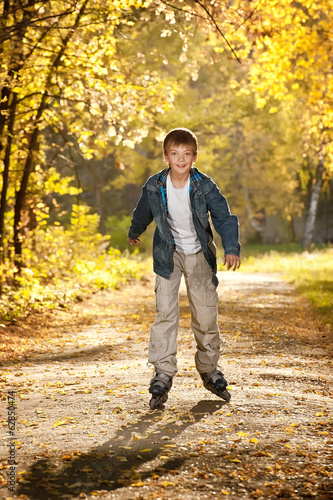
(203, 301)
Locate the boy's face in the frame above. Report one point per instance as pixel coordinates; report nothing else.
(180, 158)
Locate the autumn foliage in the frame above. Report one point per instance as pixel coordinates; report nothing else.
(88, 88)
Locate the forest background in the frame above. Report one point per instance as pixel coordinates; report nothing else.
(90, 87)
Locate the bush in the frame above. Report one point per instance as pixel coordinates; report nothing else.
(60, 263)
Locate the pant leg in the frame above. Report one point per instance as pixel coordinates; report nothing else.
(203, 300)
(163, 333)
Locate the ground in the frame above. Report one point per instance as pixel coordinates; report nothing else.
(84, 428)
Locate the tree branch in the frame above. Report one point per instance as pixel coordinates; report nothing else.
(195, 14)
(8, 32)
(211, 17)
(248, 16)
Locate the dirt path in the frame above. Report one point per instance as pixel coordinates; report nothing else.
(84, 428)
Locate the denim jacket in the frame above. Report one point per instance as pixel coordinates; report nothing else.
(205, 198)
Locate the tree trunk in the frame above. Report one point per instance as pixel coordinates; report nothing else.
(312, 214)
(17, 52)
(33, 143)
(257, 226)
(20, 194)
(292, 230)
(5, 173)
(8, 98)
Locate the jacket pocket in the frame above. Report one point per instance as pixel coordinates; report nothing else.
(155, 203)
(157, 250)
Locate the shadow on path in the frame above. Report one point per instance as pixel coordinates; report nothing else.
(114, 465)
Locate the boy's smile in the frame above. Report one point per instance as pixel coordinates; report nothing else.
(181, 159)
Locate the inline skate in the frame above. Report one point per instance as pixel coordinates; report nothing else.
(160, 385)
(216, 383)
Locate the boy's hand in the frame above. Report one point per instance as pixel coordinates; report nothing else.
(134, 242)
(232, 261)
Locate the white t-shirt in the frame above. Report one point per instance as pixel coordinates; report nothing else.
(180, 218)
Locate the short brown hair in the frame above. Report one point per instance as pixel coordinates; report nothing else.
(179, 136)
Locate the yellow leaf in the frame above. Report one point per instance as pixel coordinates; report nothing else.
(59, 422)
(254, 440)
(146, 450)
(87, 469)
(135, 437)
(259, 492)
(75, 485)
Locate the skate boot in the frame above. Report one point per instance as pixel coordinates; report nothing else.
(216, 383)
(160, 385)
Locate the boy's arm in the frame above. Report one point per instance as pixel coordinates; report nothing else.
(142, 217)
(226, 225)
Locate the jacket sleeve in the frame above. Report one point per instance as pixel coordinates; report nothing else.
(225, 224)
(142, 216)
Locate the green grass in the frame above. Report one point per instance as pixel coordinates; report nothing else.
(310, 271)
(257, 250)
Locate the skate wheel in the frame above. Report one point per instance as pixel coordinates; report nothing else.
(152, 403)
(226, 396)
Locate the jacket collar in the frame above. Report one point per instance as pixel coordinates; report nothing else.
(195, 178)
(162, 177)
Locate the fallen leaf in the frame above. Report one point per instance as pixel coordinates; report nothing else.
(60, 422)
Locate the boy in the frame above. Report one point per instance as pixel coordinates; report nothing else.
(179, 198)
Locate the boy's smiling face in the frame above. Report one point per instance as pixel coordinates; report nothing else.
(180, 158)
